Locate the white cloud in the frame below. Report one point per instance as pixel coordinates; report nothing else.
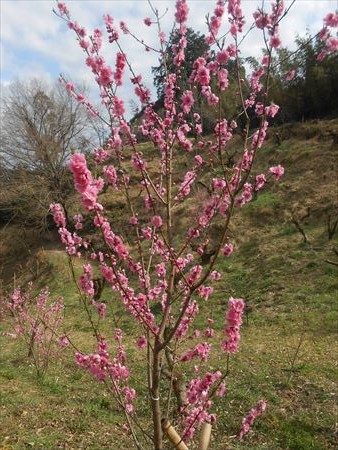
(36, 43)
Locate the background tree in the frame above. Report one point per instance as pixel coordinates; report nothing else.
(196, 47)
(312, 92)
(40, 127)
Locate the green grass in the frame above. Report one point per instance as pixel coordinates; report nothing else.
(287, 341)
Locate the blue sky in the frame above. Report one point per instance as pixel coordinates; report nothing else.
(35, 43)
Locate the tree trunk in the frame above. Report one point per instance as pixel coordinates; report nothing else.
(155, 399)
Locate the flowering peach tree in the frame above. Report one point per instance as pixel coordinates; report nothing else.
(36, 320)
(163, 277)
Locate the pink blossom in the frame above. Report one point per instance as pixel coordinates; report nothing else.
(185, 187)
(147, 233)
(143, 94)
(160, 270)
(271, 110)
(193, 233)
(58, 214)
(221, 390)
(84, 44)
(262, 19)
(190, 313)
(259, 109)
(86, 284)
(203, 76)
(118, 106)
(147, 21)
(237, 21)
(290, 75)
(260, 182)
(162, 37)
(157, 221)
(234, 321)
(78, 219)
(248, 421)
(205, 291)
(332, 44)
(63, 341)
(194, 274)
(141, 342)
(63, 9)
(101, 309)
(138, 163)
(275, 42)
(331, 20)
(215, 276)
(222, 57)
(214, 24)
(111, 174)
(187, 101)
(82, 175)
(212, 99)
(228, 249)
(278, 171)
(198, 160)
(209, 333)
(266, 60)
(108, 20)
(105, 76)
(133, 220)
(124, 27)
(198, 403)
(246, 195)
(203, 221)
(100, 155)
(222, 78)
(201, 350)
(182, 10)
(70, 87)
(89, 197)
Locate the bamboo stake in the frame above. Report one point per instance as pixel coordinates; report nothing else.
(173, 436)
(205, 436)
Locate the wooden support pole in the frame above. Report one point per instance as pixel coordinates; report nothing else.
(173, 436)
(205, 436)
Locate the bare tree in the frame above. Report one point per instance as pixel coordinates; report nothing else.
(39, 128)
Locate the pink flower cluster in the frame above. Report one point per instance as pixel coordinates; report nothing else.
(201, 350)
(234, 321)
(182, 11)
(72, 241)
(198, 402)
(78, 219)
(58, 215)
(84, 182)
(120, 65)
(215, 22)
(114, 370)
(330, 42)
(277, 171)
(269, 111)
(63, 10)
(236, 18)
(37, 320)
(248, 421)
(190, 313)
(187, 101)
(185, 187)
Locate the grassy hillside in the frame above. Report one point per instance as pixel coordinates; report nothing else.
(288, 339)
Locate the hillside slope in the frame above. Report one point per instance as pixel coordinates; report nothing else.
(284, 266)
